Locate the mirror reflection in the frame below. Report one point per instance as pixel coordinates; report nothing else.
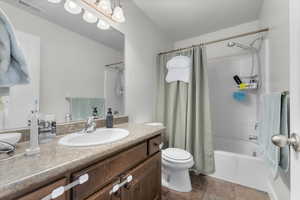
(74, 68)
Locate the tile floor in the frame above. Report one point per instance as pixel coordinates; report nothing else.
(208, 188)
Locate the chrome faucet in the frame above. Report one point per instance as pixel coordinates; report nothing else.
(90, 125)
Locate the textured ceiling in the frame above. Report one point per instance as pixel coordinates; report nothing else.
(182, 19)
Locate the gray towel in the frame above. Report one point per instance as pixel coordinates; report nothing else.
(269, 126)
(285, 130)
(13, 66)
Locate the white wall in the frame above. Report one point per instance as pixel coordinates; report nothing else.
(275, 15)
(220, 49)
(143, 41)
(20, 101)
(242, 118)
(71, 65)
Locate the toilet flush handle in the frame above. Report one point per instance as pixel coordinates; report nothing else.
(160, 146)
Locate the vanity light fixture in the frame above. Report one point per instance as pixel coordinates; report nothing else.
(118, 14)
(105, 6)
(96, 9)
(54, 1)
(72, 7)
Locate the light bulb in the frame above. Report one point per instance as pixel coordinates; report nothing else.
(72, 7)
(118, 15)
(54, 1)
(105, 6)
(103, 25)
(89, 17)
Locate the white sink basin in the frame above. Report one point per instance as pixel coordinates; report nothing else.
(100, 136)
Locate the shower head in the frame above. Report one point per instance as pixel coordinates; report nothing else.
(231, 44)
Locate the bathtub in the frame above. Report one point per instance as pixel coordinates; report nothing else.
(237, 161)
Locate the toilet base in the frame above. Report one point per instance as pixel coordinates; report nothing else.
(179, 181)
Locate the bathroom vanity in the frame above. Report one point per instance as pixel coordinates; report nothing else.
(129, 169)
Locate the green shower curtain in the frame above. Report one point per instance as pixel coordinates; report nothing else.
(185, 111)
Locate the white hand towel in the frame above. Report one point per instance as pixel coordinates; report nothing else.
(13, 66)
(179, 69)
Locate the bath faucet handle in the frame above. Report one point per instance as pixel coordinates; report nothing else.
(253, 137)
(283, 141)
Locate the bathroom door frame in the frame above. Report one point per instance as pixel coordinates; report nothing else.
(295, 92)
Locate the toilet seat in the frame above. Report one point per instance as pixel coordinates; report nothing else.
(176, 155)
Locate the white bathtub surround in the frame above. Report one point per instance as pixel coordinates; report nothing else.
(241, 169)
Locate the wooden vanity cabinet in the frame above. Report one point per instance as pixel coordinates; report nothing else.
(146, 184)
(108, 171)
(142, 161)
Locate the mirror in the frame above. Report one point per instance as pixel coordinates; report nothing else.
(76, 70)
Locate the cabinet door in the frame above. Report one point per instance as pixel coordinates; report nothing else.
(146, 184)
(106, 171)
(104, 194)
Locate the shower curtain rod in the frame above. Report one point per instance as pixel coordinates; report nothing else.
(216, 41)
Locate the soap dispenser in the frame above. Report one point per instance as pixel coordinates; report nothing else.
(109, 119)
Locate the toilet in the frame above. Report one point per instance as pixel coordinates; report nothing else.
(175, 169)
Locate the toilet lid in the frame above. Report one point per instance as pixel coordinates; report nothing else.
(176, 154)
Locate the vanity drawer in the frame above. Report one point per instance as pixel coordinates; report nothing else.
(44, 191)
(153, 145)
(106, 171)
(104, 194)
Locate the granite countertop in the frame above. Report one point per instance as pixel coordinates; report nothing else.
(20, 172)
